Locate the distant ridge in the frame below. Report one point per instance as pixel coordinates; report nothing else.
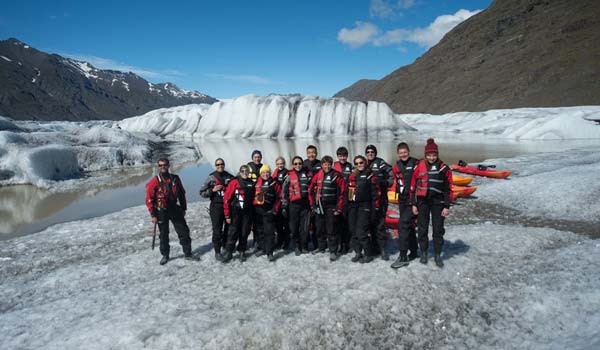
(516, 53)
(40, 86)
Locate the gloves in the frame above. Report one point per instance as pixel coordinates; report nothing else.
(284, 212)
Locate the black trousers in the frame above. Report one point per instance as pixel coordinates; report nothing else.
(344, 231)
(219, 226)
(299, 215)
(359, 222)
(256, 234)
(327, 230)
(174, 215)
(239, 229)
(407, 236)
(379, 233)
(265, 227)
(283, 232)
(426, 208)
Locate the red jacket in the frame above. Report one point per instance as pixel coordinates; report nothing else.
(160, 192)
(267, 195)
(433, 181)
(239, 194)
(327, 190)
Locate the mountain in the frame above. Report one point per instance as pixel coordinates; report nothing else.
(516, 53)
(40, 86)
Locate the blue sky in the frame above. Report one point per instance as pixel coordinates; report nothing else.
(231, 48)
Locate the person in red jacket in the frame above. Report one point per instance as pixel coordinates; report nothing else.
(362, 196)
(267, 200)
(295, 204)
(326, 195)
(345, 168)
(163, 192)
(238, 210)
(430, 195)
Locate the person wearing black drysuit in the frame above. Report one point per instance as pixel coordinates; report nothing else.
(281, 223)
(163, 191)
(313, 165)
(407, 238)
(345, 168)
(238, 211)
(430, 189)
(214, 188)
(362, 196)
(384, 178)
(267, 200)
(295, 205)
(326, 196)
(254, 169)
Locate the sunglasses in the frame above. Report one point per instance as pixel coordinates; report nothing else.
(370, 151)
(359, 163)
(163, 165)
(297, 163)
(220, 164)
(244, 171)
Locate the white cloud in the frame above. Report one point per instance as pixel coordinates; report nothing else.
(107, 63)
(424, 37)
(381, 8)
(363, 33)
(404, 4)
(255, 79)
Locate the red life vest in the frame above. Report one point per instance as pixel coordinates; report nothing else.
(430, 178)
(345, 169)
(403, 175)
(299, 184)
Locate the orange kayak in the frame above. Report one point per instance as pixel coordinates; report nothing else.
(473, 170)
(461, 180)
(462, 191)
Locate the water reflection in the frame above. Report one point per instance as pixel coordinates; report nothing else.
(27, 209)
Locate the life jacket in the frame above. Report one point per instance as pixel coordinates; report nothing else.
(280, 175)
(360, 186)
(222, 178)
(265, 193)
(327, 190)
(166, 196)
(244, 193)
(312, 167)
(381, 170)
(345, 169)
(430, 179)
(163, 193)
(403, 175)
(299, 184)
(254, 170)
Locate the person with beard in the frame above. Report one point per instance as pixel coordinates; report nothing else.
(403, 173)
(384, 178)
(295, 204)
(326, 195)
(343, 167)
(238, 211)
(430, 189)
(267, 200)
(281, 223)
(163, 192)
(362, 196)
(214, 188)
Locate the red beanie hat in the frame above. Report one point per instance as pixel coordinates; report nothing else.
(431, 147)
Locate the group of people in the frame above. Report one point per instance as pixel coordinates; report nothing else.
(315, 205)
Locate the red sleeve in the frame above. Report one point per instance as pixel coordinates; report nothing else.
(342, 186)
(229, 192)
(376, 200)
(447, 195)
(150, 194)
(397, 175)
(277, 199)
(413, 183)
(275, 173)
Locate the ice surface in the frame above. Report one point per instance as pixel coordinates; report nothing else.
(96, 284)
(273, 116)
(519, 123)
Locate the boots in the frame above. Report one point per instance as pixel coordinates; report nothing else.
(384, 255)
(242, 256)
(402, 261)
(357, 257)
(191, 257)
(218, 256)
(333, 256)
(164, 259)
(271, 257)
(423, 257)
(226, 257)
(438, 260)
(366, 259)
